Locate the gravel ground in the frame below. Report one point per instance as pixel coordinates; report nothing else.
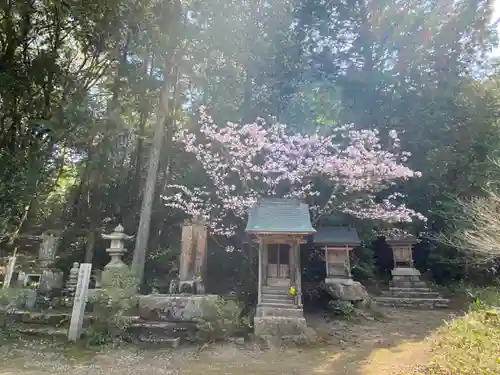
(361, 348)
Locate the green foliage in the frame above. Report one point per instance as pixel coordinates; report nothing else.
(223, 320)
(113, 307)
(362, 264)
(342, 308)
(469, 345)
(76, 115)
(10, 299)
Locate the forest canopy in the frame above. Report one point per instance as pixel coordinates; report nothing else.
(94, 96)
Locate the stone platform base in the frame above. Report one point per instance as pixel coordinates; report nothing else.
(408, 291)
(406, 277)
(176, 307)
(277, 326)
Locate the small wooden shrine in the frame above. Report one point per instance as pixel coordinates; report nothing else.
(279, 226)
(402, 249)
(337, 243)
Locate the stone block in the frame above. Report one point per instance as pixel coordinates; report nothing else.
(405, 272)
(279, 326)
(346, 289)
(51, 279)
(162, 307)
(271, 311)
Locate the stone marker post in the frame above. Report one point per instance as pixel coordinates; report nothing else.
(10, 270)
(81, 295)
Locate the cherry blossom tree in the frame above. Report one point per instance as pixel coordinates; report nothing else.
(345, 171)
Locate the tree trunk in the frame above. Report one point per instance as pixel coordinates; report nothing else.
(141, 242)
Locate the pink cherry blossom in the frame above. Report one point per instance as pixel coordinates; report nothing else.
(244, 162)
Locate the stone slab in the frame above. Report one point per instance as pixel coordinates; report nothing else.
(405, 271)
(279, 326)
(413, 302)
(165, 307)
(279, 311)
(410, 294)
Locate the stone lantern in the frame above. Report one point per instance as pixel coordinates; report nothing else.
(117, 248)
(404, 273)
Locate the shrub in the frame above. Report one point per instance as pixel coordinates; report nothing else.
(342, 308)
(10, 299)
(222, 320)
(112, 307)
(469, 345)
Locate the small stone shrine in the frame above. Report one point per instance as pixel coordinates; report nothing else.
(406, 289)
(404, 273)
(337, 243)
(279, 226)
(116, 251)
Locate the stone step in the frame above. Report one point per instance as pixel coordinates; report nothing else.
(265, 310)
(149, 341)
(282, 297)
(273, 288)
(396, 289)
(410, 294)
(412, 302)
(409, 284)
(286, 302)
(40, 330)
(163, 329)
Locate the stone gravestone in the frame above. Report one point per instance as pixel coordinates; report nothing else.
(50, 278)
(47, 250)
(10, 270)
(81, 295)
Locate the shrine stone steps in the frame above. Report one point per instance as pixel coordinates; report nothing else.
(277, 303)
(276, 311)
(277, 299)
(161, 333)
(409, 284)
(410, 293)
(396, 289)
(412, 302)
(284, 291)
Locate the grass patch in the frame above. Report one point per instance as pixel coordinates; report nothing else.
(78, 352)
(469, 345)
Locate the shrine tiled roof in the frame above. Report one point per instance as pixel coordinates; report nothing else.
(336, 236)
(274, 215)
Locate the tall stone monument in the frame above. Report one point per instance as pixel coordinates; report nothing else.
(116, 251)
(193, 258)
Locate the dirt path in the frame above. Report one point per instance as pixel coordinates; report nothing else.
(366, 348)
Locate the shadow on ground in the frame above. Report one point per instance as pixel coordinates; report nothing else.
(367, 347)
